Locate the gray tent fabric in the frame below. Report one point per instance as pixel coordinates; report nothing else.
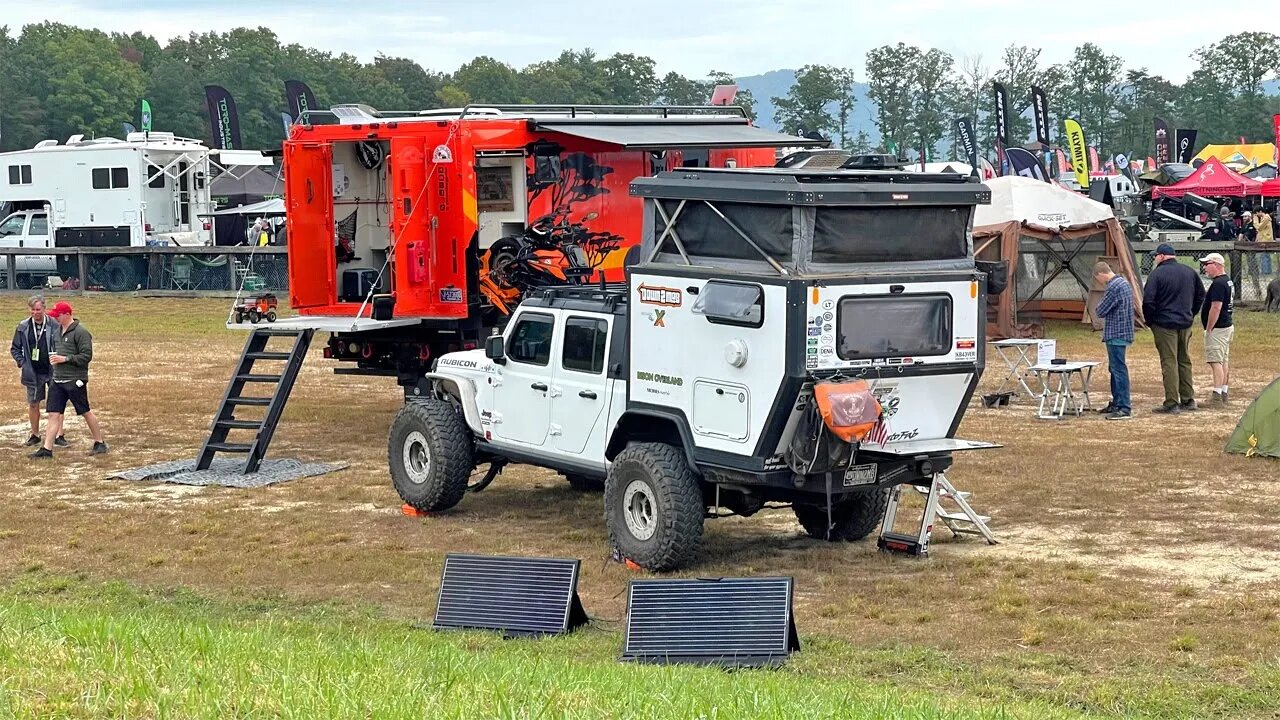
(266, 208)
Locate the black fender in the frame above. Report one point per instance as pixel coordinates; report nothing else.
(652, 425)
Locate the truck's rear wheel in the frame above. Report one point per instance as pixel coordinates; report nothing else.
(120, 274)
(654, 507)
(851, 519)
(430, 453)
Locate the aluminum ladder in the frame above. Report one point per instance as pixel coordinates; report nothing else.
(280, 379)
(962, 520)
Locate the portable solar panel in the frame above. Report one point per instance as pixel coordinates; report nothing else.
(717, 621)
(514, 595)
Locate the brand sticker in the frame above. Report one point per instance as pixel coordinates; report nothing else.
(660, 296)
(450, 295)
(813, 331)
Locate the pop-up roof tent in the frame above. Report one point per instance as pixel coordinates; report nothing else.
(1212, 179)
(1050, 238)
(1258, 432)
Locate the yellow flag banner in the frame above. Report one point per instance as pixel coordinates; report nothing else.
(1079, 161)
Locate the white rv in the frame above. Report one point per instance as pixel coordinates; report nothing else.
(146, 189)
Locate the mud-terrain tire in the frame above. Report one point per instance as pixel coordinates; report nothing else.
(853, 519)
(653, 507)
(431, 454)
(585, 483)
(119, 274)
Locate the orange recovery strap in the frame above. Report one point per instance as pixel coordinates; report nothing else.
(849, 409)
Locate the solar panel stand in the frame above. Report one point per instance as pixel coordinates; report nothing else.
(963, 520)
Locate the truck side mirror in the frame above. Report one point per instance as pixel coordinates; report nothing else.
(494, 349)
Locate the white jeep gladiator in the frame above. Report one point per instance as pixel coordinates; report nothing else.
(691, 387)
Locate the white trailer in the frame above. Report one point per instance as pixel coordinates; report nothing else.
(149, 188)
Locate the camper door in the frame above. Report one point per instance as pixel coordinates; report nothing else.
(309, 194)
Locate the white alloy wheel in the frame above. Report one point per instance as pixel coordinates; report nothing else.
(640, 510)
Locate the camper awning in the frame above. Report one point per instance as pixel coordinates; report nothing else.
(674, 135)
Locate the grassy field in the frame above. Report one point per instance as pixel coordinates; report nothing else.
(1137, 575)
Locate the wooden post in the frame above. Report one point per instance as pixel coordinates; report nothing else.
(82, 267)
(231, 272)
(11, 272)
(1237, 273)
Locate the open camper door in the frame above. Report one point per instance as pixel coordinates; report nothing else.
(309, 194)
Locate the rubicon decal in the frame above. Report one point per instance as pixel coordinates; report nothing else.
(660, 296)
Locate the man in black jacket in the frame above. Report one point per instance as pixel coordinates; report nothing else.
(1171, 299)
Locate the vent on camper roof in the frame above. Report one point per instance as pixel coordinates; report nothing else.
(352, 113)
(723, 621)
(74, 139)
(45, 144)
(516, 595)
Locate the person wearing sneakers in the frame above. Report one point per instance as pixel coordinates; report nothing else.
(32, 341)
(1170, 300)
(1215, 318)
(1116, 311)
(72, 353)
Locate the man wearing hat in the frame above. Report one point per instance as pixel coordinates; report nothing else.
(1170, 300)
(72, 351)
(1215, 317)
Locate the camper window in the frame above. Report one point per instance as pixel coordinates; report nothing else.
(724, 303)
(19, 174)
(706, 235)
(893, 326)
(869, 235)
(155, 178)
(110, 178)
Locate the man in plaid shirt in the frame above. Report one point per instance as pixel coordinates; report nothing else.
(1116, 311)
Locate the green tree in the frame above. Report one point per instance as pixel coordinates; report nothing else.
(628, 79)
(486, 80)
(1020, 70)
(805, 105)
(1093, 93)
(932, 92)
(1144, 97)
(1226, 98)
(676, 89)
(892, 75)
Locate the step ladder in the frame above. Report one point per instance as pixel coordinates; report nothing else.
(284, 367)
(963, 520)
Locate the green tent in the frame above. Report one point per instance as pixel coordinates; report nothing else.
(1258, 432)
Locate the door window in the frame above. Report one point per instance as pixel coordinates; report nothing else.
(585, 345)
(12, 226)
(39, 225)
(531, 340)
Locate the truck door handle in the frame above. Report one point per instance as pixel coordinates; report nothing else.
(588, 394)
(539, 386)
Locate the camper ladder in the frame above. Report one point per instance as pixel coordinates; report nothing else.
(961, 520)
(279, 378)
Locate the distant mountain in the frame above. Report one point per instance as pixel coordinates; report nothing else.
(776, 83)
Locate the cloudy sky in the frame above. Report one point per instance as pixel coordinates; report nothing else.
(693, 37)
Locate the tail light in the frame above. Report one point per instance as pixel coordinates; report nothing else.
(207, 226)
(147, 227)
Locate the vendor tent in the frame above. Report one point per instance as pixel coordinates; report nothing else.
(1050, 237)
(1258, 432)
(1270, 188)
(229, 190)
(1239, 157)
(1167, 174)
(1212, 179)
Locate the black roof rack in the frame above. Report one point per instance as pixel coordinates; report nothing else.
(789, 186)
(609, 298)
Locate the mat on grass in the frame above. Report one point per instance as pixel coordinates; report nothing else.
(227, 472)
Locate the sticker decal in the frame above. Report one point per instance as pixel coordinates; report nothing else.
(660, 296)
(659, 318)
(450, 295)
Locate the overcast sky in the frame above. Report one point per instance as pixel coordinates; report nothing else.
(693, 37)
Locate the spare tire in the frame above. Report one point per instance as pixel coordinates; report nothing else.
(119, 274)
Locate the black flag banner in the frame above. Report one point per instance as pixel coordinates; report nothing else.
(1186, 142)
(1040, 109)
(968, 141)
(1025, 164)
(299, 97)
(1162, 142)
(224, 121)
(1002, 114)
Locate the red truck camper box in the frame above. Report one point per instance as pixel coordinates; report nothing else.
(405, 206)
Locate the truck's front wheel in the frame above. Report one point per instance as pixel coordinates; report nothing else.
(852, 518)
(654, 507)
(431, 455)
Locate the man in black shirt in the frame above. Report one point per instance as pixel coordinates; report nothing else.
(1172, 297)
(1215, 317)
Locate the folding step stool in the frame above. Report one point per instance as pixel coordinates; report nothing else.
(965, 520)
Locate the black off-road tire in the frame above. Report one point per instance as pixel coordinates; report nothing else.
(271, 316)
(254, 317)
(853, 519)
(662, 475)
(120, 274)
(431, 454)
(585, 483)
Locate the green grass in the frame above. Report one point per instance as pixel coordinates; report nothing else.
(69, 649)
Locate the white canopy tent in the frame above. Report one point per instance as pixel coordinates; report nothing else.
(1024, 200)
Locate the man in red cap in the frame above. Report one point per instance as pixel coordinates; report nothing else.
(71, 354)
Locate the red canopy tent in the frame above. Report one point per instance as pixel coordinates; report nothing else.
(1212, 179)
(1271, 188)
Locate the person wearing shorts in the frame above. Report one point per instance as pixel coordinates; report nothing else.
(32, 342)
(72, 353)
(1215, 317)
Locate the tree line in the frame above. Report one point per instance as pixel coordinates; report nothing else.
(57, 80)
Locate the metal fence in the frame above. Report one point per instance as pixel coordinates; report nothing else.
(159, 269)
(1251, 266)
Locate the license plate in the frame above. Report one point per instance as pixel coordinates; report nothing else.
(860, 475)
